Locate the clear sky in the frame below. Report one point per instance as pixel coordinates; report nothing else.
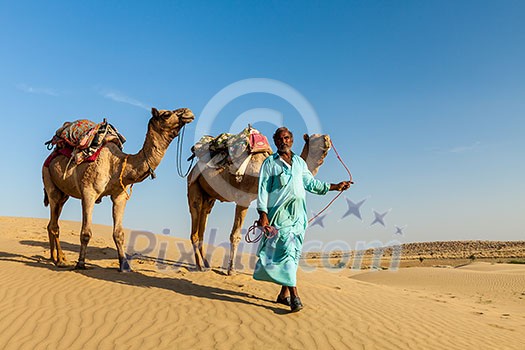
(424, 100)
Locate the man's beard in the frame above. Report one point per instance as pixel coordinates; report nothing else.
(284, 149)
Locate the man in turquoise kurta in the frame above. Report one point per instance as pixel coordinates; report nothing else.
(283, 181)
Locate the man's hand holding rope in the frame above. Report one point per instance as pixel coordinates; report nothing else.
(341, 186)
(263, 220)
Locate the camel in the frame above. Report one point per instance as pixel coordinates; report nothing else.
(109, 175)
(207, 184)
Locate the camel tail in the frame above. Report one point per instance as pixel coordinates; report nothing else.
(46, 198)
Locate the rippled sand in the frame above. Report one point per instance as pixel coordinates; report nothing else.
(168, 305)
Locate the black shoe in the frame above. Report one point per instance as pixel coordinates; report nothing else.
(296, 304)
(285, 301)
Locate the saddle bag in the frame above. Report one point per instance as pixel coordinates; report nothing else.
(258, 142)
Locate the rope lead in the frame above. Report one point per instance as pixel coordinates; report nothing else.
(340, 193)
(178, 159)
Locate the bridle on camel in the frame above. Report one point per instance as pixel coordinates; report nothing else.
(270, 231)
(178, 159)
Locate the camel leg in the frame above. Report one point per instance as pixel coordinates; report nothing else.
(56, 199)
(207, 206)
(199, 213)
(195, 200)
(88, 202)
(119, 204)
(235, 236)
(53, 230)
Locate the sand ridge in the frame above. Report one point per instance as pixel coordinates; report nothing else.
(43, 307)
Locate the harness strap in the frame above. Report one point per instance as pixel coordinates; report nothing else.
(67, 165)
(151, 172)
(120, 179)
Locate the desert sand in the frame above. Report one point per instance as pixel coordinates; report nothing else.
(166, 304)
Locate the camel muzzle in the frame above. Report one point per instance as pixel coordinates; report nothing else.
(186, 120)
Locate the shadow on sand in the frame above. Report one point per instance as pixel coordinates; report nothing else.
(178, 285)
(94, 253)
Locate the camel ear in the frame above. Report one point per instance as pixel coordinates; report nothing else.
(306, 138)
(154, 112)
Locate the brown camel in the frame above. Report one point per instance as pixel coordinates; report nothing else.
(207, 184)
(109, 175)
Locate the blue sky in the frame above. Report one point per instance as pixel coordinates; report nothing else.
(424, 100)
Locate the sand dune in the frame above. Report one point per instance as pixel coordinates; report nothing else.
(166, 304)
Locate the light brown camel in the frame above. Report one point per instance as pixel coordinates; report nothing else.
(110, 175)
(208, 184)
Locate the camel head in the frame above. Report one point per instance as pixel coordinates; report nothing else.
(315, 149)
(168, 122)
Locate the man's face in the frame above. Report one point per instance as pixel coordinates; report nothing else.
(283, 142)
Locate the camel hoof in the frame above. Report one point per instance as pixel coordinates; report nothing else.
(124, 266)
(62, 264)
(231, 272)
(80, 265)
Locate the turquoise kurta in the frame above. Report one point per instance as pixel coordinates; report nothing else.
(282, 195)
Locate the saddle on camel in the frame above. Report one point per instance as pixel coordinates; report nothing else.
(233, 151)
(82, 140)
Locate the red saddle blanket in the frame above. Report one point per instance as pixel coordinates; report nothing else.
(68, 152)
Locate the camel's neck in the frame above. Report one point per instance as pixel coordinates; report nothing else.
(313, 158)
(141, 164)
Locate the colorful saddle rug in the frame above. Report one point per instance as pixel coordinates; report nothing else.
(83, 140)
(232, 146)
(232, 151)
